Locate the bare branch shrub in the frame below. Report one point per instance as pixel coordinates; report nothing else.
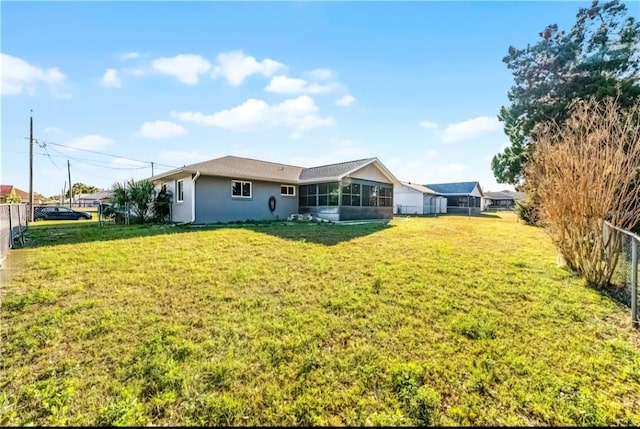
(584, 172)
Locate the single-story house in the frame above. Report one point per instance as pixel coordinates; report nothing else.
(231, 189)
(462, 197)
(411, 198)
(92, 199)
(501, 200)
(6, 190)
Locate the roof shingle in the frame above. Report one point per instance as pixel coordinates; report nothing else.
(236, 167)
(332, 171)
(453, 188)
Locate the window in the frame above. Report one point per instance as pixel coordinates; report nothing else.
(370, 195)
(288, 190)
(323, 194)
(240, 189)
(328, 194)
(180, 191)
(386, 196)
(310, 199)
(351, 195)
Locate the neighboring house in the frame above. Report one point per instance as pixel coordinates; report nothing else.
(462, 197)
(501, 200)
(93, 199)
(231, 189)
(5, 191)
(411, 198)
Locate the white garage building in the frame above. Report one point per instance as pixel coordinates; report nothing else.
(411, 198)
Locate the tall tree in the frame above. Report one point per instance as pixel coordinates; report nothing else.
(81, 188)
(598, 58)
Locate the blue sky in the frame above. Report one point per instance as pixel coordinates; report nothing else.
(416, 84)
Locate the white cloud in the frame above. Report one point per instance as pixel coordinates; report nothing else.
(346, 148)
(161, 130)
(129, 56)
(18, 75)
(298, 114)
(134, 71)
(320, 74)
(90, 142)
(185, 67)
(470, 129)
(110, 78)
(345, 100)
(288, 85)
(235, 67)
(428, 125)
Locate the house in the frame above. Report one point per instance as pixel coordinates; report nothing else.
(231, 189)
(462, 197)
(411, 198)
(5, 191)
(505, 200)
(92, 199)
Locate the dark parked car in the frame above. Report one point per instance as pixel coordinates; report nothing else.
(59, 213)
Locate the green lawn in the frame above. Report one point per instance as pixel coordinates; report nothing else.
(447, 321)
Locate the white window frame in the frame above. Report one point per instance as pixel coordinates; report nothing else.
(288, 187)
(242, 182)
(178, 196)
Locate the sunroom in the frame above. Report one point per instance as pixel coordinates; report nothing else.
(347, 199)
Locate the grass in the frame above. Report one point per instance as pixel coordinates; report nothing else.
(441, 321)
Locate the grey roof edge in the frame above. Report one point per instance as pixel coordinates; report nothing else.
(178, 172)
(188, 169)
(418, 187)
(170, 173)
(381, 167)
(474, 182)
(190, 166)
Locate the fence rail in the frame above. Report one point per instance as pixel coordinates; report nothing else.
(13, 224)
(624, 247)
(429, 209)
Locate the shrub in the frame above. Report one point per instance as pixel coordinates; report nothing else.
(162, 206)
(528, 210)
(138, 195)
(584, 172)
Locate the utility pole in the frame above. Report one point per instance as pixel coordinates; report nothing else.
(30, 214)
(151, 168)
(70, 187)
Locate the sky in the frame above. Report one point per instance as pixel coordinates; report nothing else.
(416, 84)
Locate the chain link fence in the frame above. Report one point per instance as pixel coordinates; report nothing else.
(623, 247)
(402, 209)
(13, 224)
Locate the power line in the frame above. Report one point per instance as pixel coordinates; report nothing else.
(108, 154)
(44, 146)
(85, 161)
(63, 155)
